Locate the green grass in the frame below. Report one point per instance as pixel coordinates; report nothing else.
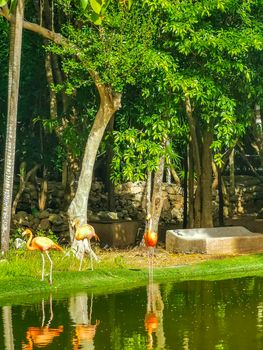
(20, 274)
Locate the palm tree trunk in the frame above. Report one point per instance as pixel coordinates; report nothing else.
(13, 88)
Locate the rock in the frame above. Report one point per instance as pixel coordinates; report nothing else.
(44, 224)
(113, 215)
(44, 214)
(55, 219)
(60, 228)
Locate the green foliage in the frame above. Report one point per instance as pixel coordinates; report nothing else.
(47, 233)
(212, 43)
(118, 50)
(157, 53)
(17, 233)
(3, 2)
(137, 151)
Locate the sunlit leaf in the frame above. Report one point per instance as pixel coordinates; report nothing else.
(96, 19)
(96, 6)
(104, 7)
(3, 3)
(83, 4)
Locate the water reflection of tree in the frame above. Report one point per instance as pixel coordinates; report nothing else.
(44, 335)
(154, 316)
(225, 314)
(80, 309)
(8, 328)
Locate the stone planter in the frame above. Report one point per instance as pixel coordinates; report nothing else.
(119, 234)
(216, 240)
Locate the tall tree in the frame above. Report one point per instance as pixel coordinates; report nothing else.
(211, 43)
(13, 90)
(109, 56)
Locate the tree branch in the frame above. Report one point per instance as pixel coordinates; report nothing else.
(46, 33)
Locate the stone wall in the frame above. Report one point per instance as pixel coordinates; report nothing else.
(247, 197)
(129, 201)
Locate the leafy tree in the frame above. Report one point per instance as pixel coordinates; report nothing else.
(109, 56)
(211, 43)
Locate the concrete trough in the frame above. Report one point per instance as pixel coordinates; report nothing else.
(117, 234)
(217, 240)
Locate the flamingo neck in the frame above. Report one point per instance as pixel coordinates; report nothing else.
(28, 243)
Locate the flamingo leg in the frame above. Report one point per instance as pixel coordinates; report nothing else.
(91, 262)
(90, 255)
(86, 243)
(82, 252)
(51, 310)
(43, 267)
(43, 312)
(81, 259)
(150, 263)
(51, 265)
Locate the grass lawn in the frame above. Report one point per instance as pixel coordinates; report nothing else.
(20, 271)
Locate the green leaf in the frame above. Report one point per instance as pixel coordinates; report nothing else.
(104, 6)
(129, 4)
(13, 4)
(3, 3)
(83, 4)
(96, 6)
(96, 19)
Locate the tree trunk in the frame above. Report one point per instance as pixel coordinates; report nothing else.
(53, 110)
(197, 161)
(200, 164)
(148, 191)
(13, 89)
(23, 181)
(191, 186)
(109, 183)
(220, 198)
(43, 191)
(232, 179)
(185, 184)
(157, 198)
(206, 181)
(110, 102)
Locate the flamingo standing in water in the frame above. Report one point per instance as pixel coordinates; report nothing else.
(43, 244)
(85, 233)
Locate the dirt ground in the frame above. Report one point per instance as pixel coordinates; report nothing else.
(138, 257)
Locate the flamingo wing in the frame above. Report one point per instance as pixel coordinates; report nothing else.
(85, 231)
(44, 243)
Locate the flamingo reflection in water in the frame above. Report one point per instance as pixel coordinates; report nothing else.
(42, 336)
(80, 309)
(153, 320)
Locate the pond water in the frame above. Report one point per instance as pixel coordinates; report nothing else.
(192, 315)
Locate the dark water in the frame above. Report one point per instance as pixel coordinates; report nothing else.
(190, 315)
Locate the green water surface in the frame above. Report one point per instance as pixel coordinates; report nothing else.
(203, 315)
